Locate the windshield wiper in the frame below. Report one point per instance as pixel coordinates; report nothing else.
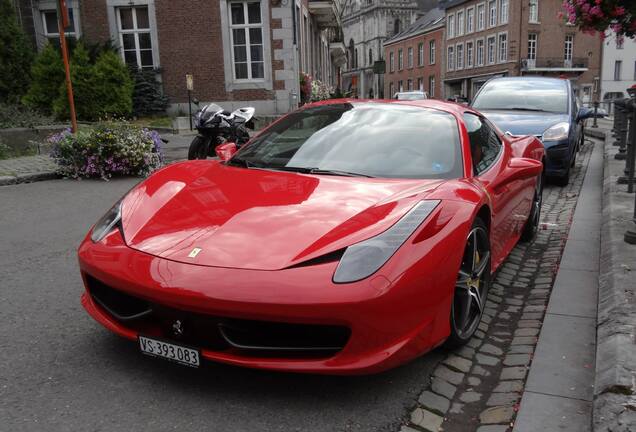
(242, 163)
(526, 109)
(310, 170)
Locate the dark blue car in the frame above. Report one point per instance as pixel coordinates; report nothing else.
(544, 107)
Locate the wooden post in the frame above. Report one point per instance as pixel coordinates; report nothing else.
(62, 23)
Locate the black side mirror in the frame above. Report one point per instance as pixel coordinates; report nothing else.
(195, 101)
(584, 113)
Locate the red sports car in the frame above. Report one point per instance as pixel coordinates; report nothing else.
(349, 236)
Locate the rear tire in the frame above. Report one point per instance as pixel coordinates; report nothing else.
(199, 148)
(471, 288)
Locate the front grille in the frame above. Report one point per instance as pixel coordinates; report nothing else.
(217, 333)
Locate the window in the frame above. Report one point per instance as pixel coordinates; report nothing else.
(431, 52)
(420, 84)
(420, 54)
(450, 59)
(480, 52)
(618, 64)
(503, 47)
(355, 58)
(484, 142)
(134, 36)
(410, 57)
(490, 46)
(469, 54)
(247, 40)
(460, 56)
(391, 90)
(492, 13)
(619, 42)
(533, 11)
(400, 86)
(409, 84)
(397, 26)
(503, 11)
(370, 57)
(481, 16)
(532, 46)
(567, 52)
(400, 60)
(460, 23)
(51, 31)
(431, 86)
(470, 20)
(391, 62)
(450, 31)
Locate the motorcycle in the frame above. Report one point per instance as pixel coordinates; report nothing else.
(216, 126)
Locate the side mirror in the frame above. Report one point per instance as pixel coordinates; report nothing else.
(519, 168)
(226, 151)
(584, 113)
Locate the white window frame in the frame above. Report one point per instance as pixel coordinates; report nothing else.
(460, 24)
(470, 21)
(481, 27)
(135, 31)
(420, 54)
(431, 52)
(459, 65)
(391, 89)
(400, 85)
(568, 47)
(492, 15)
(533, 11)
(391, 62)
(56, 34)
(409, 57)
(431, 86)
(618, 66)
(478, 61)
(494, 52)
(450, 58)
(499, 51)
(471, 57)
(503, 17)
(532, 53)
(409, 84)
(247, 26)
(400, 65)
(450, 26)
(420, 84)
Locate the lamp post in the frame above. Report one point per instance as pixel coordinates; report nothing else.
(62, 23)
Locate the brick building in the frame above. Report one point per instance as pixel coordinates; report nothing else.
(489, 38)
(413, 56)
(240, 52)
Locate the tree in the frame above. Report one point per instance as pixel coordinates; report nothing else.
(47, 75)
(112, 85)
(86, 104)
(16, 55)
(148, 98)
(593, 16)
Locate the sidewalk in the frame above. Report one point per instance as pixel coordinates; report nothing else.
(559, 391)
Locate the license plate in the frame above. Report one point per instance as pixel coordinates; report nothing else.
(177, 353)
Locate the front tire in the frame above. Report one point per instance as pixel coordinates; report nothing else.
(471, 287)
(199, 148)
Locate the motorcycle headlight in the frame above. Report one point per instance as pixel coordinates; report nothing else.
(556, 132)
(363, 259)
(106, 223)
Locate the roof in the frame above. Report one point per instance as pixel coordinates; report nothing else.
(433, 19)
(447, 4)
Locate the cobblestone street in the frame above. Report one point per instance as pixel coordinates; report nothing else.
(479, 387)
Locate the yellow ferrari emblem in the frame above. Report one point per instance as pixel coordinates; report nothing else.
(194, 253)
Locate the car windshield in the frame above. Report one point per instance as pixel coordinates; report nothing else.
(410, 96)
(523, 95)
(365, 139)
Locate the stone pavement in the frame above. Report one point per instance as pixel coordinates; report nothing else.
(479, 387)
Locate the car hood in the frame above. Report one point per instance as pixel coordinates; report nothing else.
(524, 122)
(207, 213)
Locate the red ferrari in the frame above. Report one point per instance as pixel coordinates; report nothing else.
(348, 237)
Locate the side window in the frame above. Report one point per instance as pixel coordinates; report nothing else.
(484, 142)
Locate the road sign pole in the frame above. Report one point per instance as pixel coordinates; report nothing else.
(62, 23)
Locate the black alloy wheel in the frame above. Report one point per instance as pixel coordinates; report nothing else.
(471, 288)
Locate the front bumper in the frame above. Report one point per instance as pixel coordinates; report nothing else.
(387, 322)
(557, 157)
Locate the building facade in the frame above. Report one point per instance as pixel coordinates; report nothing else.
(240, 52)
(619, 68)
(490, 38)
(366, 24)
(413, 56)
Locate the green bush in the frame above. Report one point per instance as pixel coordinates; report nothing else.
(86, 104)
(16, 116)
(16, 55)
(112, 86)
(48, 74)
(148, 98)
(107, 150)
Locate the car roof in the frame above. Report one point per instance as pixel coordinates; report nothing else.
(532, 78)
(450, 107)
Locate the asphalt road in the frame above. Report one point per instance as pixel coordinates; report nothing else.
(60, 371)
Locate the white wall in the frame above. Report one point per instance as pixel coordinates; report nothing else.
(611, 54)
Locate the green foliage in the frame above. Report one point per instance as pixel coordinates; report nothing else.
(112, 86)
(86, 105)
(17, 116)
(148, 98)
(16, 55)
(48, 74)
(107, 150)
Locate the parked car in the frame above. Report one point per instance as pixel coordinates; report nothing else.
(295, 253)
(410, 95)
(544, 107)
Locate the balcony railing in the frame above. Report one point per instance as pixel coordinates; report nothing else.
(554, 63)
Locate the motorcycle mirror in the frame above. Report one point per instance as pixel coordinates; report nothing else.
(226, 151)
(195, 101)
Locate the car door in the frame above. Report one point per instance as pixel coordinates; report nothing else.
(490, 155)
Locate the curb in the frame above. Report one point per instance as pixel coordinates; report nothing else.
(27, 178)
(614, 407)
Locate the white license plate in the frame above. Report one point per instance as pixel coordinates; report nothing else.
(177, 353)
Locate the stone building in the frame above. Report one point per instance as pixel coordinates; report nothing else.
(414, 56)
(489, 38)
(240, 52)
(619, 68)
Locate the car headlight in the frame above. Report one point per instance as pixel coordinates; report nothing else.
(106, 223)
(363, 259)
(556, 132)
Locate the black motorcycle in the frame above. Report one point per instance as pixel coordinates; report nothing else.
(217, 126)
